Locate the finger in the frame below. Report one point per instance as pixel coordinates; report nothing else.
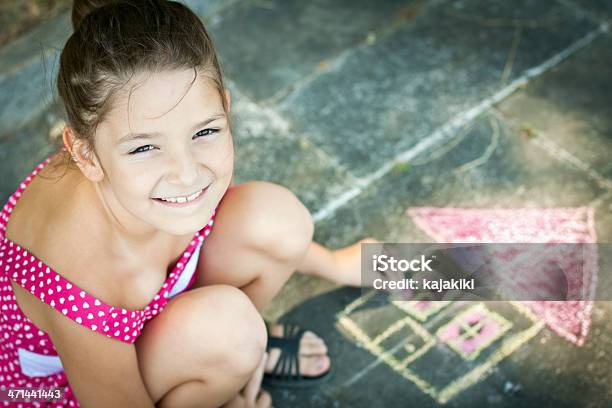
(254, 385)
(264, 400)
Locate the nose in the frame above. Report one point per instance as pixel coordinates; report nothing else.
(183, 169)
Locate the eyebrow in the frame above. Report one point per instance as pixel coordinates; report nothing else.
(135, 136)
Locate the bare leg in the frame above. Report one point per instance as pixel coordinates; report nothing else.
(342, 266)
(202, 349)
(261, 234)
(252, 396)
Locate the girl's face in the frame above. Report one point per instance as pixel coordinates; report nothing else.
(166, 140)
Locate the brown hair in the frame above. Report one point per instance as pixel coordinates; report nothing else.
(115, 39)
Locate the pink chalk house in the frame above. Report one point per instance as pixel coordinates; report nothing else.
(569, 319)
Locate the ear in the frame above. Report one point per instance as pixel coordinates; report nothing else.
(227, 98)
(83, 155)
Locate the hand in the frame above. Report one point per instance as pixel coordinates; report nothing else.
(252, 396)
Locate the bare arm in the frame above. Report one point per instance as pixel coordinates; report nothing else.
(103, 372)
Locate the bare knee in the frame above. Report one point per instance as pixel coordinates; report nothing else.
(211, 334)
(280, 225)
(233, 328)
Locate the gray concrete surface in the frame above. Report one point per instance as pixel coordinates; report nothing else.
(365, 109)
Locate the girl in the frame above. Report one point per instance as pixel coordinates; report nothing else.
(114, 283)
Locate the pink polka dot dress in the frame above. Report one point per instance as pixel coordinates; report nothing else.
(27, 355)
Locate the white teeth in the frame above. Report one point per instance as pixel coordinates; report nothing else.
(183, 199)
(193, 196)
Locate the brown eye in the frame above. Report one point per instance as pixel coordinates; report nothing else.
(206, 132)
(141, 149)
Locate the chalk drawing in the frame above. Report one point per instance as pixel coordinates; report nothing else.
(480, 334)
(417, 342)
(421, 309)
(569, 319)
(473, 330)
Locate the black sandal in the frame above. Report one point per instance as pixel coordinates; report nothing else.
(283, 373)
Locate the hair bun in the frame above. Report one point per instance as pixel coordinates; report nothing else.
(81, 8)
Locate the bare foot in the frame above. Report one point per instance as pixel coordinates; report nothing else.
(313, 357)
(347, 269)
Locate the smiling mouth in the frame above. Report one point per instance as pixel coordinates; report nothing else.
(182, 199)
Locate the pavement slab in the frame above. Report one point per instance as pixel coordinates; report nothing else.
(21, 150)
(295, 39)
(489, 164)
(571, 107)
(599, 9)
(385, 97)
(304, 167)
(603, 218)
(28, 92)
(262, 140)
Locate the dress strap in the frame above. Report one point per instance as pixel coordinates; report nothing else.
(72, 301)
(85, 309)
